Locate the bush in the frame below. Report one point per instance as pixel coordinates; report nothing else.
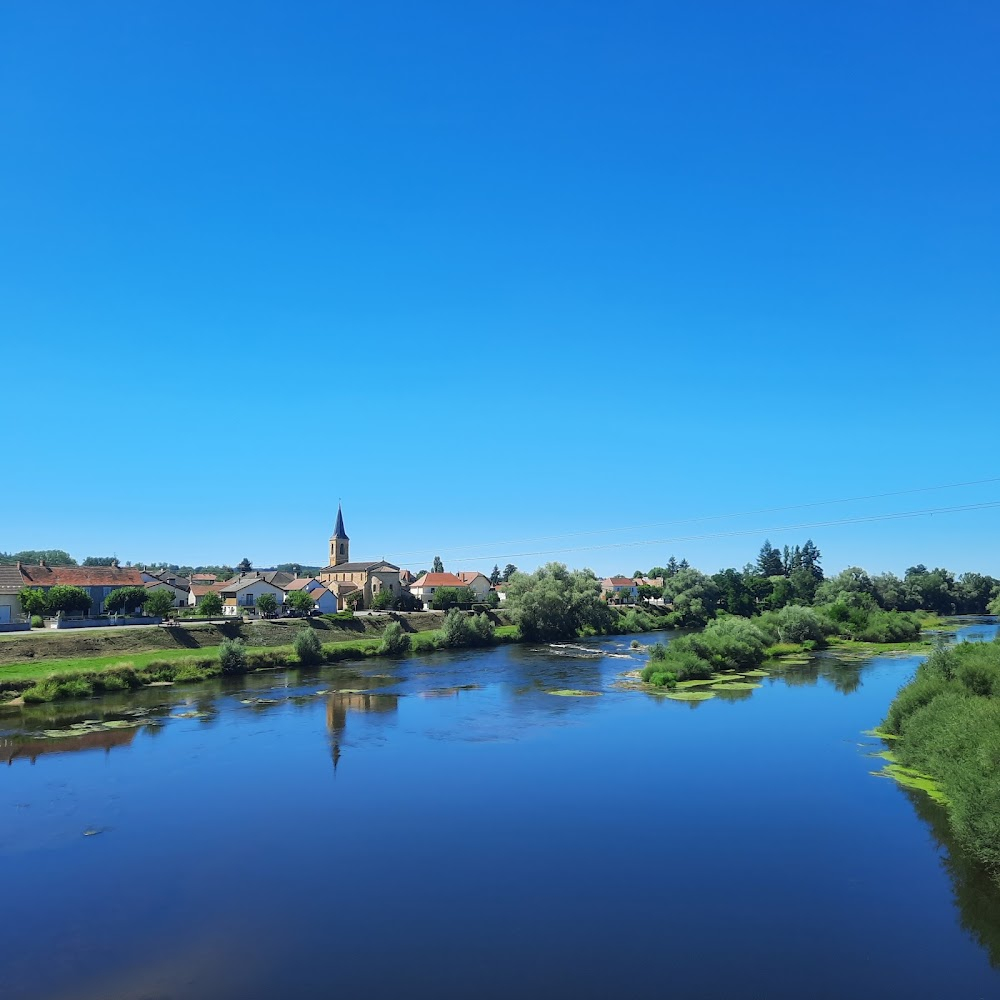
(37, 621)
(394, 640)
(233, 656)
(308, 648)
(461, 629)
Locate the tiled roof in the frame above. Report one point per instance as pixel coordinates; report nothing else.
(620, 581)
(359, 567)
(200, 590)
(81, 576)
(300, 583)
(338, 528)
(11, 580)
(469, 577)
(439, 580)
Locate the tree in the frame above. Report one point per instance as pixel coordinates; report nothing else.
(267, 604)
(125, 599)
(158, 603)
(438, 565)
(354, 600)
(308, 648)
(32, 601)
(300, 600)
(769, 562)
(495, 576)
(556, 603)
(233, 656)
(383, 600)
(450, 597)
(245, 565)
(53, 557)
(694, 596)
(394, 640)
(735, 595)
(211, 605)
(67, 600)
(809, 557)
(100, 561)
(508, 571)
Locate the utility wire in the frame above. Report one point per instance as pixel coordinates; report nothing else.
(455, 550)
(870, 518)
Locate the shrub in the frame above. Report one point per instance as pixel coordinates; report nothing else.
(233, 656)
(394, 640)
(37, 621)
(308, 648)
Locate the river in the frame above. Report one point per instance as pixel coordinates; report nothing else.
(446, 827)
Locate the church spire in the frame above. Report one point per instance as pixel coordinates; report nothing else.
(339, 530)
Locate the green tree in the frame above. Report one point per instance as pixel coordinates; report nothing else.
(438, 565)
(556, 603)
(32, 601)
(233, 656)
(211, 605)
(355, 599)
(394, 640)
(450, 597)
(244, 565)
(301, 601)
(769, 561)
(101, 561)
(495, 576)
(32, 557)
(267, 604)
(383, 600)
(125, 599)
(158, 603)
(508, 571)
(694, 596)
(308, 648)
(62, 599)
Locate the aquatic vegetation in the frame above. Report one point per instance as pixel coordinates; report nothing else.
(736, 686)
(689, 695)
(572, 693)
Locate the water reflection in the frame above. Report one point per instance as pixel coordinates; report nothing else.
(31, 748)
(341, 703)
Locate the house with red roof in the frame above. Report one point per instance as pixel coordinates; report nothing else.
(97, 581)
(620, 590)
(424, 587)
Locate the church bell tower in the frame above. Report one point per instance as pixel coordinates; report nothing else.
(340, 544)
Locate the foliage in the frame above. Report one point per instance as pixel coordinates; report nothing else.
(383, 600)
(947, 720)
(300, 600)
(495, 575)
(32, 557)
(267, 604)
(307, 647)
(694, 597)
(462, 629)
(233, 656)
(556, 603)
(508, 571)
(125, 599)
(158, 603)
(211, 605)
(354, 599)
(728, 643)
(37, 621)
(67, 600)
(100, 561)
(450, 597)
(394, 640)
(438, 565)
(795, 624)
(33, 601)
(244, 565)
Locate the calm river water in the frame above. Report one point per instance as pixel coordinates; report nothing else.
(445, 827)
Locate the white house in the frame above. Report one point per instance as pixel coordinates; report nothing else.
(326, 602)
(477, 583)
(306, 583)
(424, 588)
(620, 589)
(241, 594)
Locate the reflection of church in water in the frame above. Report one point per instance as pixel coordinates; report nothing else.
(341, 703)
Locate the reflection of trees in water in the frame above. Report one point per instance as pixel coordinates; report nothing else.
(341, 703)
(843, 675)
(976, 895)
(724, 694)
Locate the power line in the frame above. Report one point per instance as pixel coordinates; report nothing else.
(895, 516)
(456, 550)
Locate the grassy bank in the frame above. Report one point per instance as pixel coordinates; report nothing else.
(943, 730)
(86, 676)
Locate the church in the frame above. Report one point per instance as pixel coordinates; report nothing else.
(342, 577)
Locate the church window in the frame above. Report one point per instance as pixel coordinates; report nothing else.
(341, 548)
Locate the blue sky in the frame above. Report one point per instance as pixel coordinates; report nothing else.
(491, 272)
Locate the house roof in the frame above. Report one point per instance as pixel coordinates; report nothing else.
(359, 567)
(200, 590)
(319, 593)
(439, 580)
(11, 580)
(341, 587)
(338, 529)
(241, 583)
(301, 582)
(81, 576)
(620, 581)
(204, 577)
(469, 577)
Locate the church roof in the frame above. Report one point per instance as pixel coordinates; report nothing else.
(339, 531)
(359, 567)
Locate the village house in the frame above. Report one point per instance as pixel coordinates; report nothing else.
(178, 587)
(97, 581)
(343, 577)
(325, 601)
(198, 591)
(11, 583)
(620, 590)
(241, 594)
(424, 588)
(477, 583)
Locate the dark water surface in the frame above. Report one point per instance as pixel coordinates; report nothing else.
(445, 827)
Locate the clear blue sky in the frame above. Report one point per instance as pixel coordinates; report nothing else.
(496, 271)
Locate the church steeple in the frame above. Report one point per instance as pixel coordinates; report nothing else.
(340, 544)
